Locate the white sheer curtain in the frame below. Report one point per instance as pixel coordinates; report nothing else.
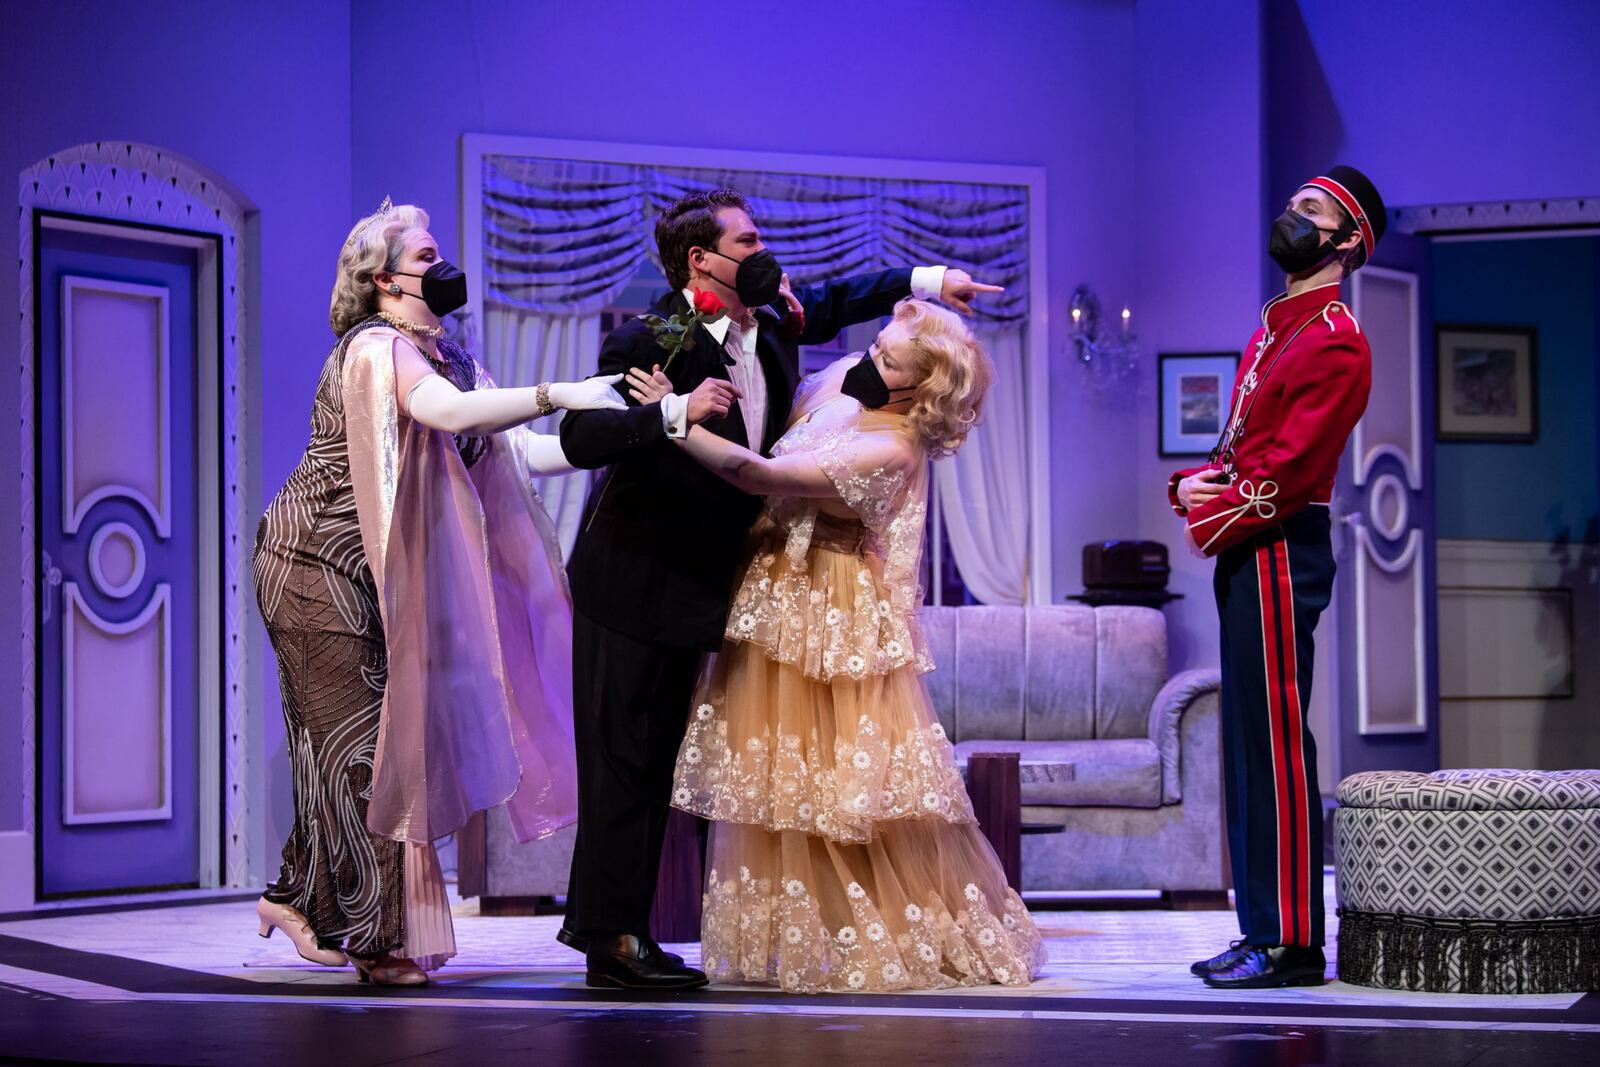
(526, 348)
(983, 488)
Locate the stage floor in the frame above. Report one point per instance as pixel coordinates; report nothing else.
(194, 984)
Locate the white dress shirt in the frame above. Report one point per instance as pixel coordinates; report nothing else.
(746, 373)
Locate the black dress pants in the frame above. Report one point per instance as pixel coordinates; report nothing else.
(630, 710)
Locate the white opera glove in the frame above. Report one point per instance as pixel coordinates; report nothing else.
(542, 454)
(588, 395)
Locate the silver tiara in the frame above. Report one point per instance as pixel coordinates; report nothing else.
(383, 209)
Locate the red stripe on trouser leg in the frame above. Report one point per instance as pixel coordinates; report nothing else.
(1271, 639)
(1289, 835)
(1294, 746)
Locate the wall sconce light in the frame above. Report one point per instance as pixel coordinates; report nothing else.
(1113, 350)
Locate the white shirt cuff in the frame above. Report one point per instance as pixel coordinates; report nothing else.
(927, 282)
(675, 415)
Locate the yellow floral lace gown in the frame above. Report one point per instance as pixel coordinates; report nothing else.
(844, 852)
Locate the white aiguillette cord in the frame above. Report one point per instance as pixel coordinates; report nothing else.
(1245, 404)
(1259, 499)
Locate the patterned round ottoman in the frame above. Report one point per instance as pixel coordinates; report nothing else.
(1472, 881)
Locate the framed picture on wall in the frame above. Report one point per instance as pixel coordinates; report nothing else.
(1488, 383)
(1195, 390)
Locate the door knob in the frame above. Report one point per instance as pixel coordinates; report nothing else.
(50, 577)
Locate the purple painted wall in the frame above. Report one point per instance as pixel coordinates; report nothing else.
(258, 93)
(1443, 101)
(1050, 85)
(1199, 230)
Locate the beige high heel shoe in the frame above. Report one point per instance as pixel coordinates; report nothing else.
(390, 970)
(296, 928)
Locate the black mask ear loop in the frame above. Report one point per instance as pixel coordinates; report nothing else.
(393, 288)
(1339, 236)
(730, 286)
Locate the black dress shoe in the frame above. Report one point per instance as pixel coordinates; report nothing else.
(1223, 960)
(1260, 967)
(579, 943)
(628, 961)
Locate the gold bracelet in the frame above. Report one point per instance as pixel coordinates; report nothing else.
(541, 397)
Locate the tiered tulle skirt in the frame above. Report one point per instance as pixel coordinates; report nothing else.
(844, 852)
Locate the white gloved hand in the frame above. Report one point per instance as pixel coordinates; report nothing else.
(588, 395)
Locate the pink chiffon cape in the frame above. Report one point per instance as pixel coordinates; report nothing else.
(477, 707)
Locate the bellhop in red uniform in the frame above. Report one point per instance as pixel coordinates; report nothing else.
(1260, 508)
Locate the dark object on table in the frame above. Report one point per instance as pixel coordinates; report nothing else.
(1125, 572)
(1125, 565)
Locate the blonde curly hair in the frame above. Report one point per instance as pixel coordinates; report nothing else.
(375, 245)
(953, 375)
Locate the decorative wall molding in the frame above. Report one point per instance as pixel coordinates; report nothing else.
(75, 508)
(1387, 448)
(1546, 586)
(111, 182)
(16, 854)
(1372, 567)
(1531, 609)
(1410, 456)
(158, 612)
(116, 590)
(1514, 563)
(1487, 216)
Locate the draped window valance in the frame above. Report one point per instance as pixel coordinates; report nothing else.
(566, 236)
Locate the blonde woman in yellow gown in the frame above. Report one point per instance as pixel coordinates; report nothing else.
(844, 854)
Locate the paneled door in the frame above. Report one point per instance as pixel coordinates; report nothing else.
(119, 534)
(1386, 678)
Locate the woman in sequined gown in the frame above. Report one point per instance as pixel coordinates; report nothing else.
(412, 590)
(844, 854)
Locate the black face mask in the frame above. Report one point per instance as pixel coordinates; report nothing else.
(444, 287)
(1296, 244)
(865, 384)
(758, 278)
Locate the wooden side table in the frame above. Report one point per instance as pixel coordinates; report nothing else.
(994, 782)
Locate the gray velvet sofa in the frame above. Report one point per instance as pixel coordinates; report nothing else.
(1121, 758)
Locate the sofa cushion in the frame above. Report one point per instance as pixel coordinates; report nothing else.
(1124, 774)
(939, 631)
(1012, 673)
(1130, 668)
(1061, 674)
(990, 689)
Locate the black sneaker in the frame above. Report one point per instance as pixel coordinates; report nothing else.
(1223, 960)
(1260, 967)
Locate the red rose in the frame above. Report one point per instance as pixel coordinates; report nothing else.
(708, 303)
(793, 324)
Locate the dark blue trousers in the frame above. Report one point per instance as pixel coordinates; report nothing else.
(1270, 592)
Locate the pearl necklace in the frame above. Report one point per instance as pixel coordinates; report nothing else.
(417, 328)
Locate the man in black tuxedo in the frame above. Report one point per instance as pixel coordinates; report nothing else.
(653, 567)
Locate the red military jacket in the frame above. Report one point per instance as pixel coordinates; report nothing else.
(1301, 388)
